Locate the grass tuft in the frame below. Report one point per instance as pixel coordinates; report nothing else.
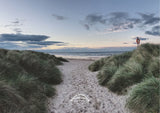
(144, 98)
(140, 66)
(27, 77)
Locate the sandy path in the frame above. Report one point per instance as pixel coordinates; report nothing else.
(80, 92)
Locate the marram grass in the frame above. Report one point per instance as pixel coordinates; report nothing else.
(25, 80)
(145, 97)
(141, 68)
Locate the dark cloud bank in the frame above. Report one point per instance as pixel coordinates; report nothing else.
(155, 31)
(118, 21)
(23, 41)
(22, 37)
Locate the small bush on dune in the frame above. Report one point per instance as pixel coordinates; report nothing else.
(144, 98)
(115, 60)
(3, 53)
(97, 65)
(27, 77)
(51, 76)
(110, 67)
(48, 90)
(151, 48)
(105, 74)
(126, 76)
(34, 92)
(62, 59)
(26, 85)
(45, 71)
(10, 100)
(13, 55)
(9, 70)
(42, 56)
(122, 58)
(154, 67)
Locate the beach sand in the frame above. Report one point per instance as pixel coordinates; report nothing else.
(80, 92)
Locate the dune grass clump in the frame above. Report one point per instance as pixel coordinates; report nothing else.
(3, 52)
(145, 97)
(27, 78)
(97, 65)
(126, 76)
(120, 72)
(115, 60)
(154, 67)
(44, 70)
(10, 100)
(105, 74)
(109, 67)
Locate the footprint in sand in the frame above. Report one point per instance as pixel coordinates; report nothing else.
(81, 93)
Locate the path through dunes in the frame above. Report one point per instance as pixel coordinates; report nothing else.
(80, 92)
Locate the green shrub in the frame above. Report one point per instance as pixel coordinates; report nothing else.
(145, 97)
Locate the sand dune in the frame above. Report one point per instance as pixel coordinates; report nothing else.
(81, 93)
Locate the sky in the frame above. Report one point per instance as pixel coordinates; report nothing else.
(59, 24)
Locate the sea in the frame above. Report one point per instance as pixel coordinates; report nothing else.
(85, 55)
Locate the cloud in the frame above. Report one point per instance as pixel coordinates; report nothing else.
(149, 19)
(117, 21)
(24, 41)
(125, 43)
(17, 30)
(141, 38)
(17, 22)
(58, 17)
(117, 17)
(93, 19)
(86, 26)
(44, 42)
(15, 25)
(9, 45)
(120, 21)
(22, 37)
(155, 31)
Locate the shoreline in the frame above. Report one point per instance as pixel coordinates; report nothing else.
(83, 59)
(86, 58)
